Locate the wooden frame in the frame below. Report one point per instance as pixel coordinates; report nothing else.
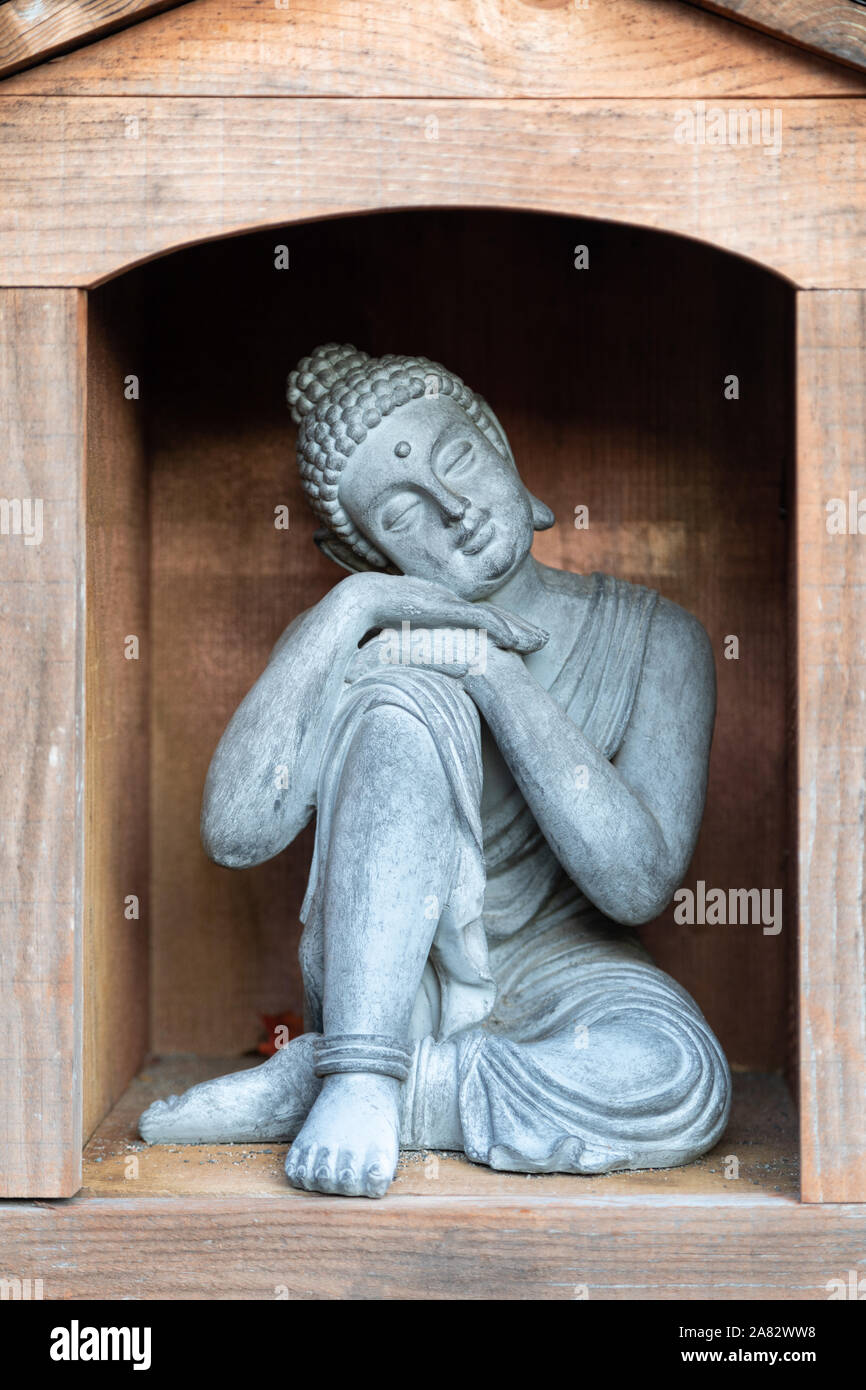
(31, 34)
(97, 184)
(225, 168)
(834, 27)
(438, 1247)
(831, 390)
(513, 48)
(42, 352)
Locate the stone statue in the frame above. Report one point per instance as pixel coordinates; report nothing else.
(508, 767)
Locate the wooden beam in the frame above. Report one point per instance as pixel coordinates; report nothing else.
(42, 339)
(96, 185)
(831, 586)
(117, 698)
(834, 28)
(302, 1246)
(322, 48)
(31, 31)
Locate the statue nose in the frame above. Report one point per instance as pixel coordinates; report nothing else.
(455, 508)
(452, 504)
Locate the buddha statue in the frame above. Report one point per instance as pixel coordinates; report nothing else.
(508, 765)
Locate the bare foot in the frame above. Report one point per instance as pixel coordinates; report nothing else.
(350, 1141)
(265, 1103)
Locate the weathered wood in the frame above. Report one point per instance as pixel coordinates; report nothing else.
(757, 1155)
(33, 33)
(306, 1246)
(836, 28)
(42, 337)
(612, 392)
(118, 704)
(472, 49)
(137, 155)
(831, 413)
(89, 192)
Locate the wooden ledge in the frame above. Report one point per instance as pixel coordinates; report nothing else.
(761, 1138)
(220, 1222)
(303, 1246)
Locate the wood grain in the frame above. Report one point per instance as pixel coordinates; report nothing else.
(836, 28)
(305, 1246)
(118, 705)
(762, 1138)
(610, 384)
(42, 338)
(831, 414)
(361, 48)
(33, 33)
(84, 199)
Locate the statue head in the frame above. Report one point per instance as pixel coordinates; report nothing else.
(409, 471)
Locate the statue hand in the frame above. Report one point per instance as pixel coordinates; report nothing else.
(456, 652)
(383, 601)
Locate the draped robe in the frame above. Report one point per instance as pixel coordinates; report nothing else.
(524, 970)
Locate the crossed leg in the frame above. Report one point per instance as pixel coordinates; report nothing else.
(391, 858)
(391, 853)
(650, 1089)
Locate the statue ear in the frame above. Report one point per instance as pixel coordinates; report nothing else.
(542, 516)
(501, 432)
(343, 555)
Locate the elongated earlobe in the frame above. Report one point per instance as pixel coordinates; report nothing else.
(542, 516)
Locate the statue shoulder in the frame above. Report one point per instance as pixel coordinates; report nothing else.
(678, 660)
(673, 643)
(567, 582)
(604, 594)
(594, 586)
(670, 624)
(674, 629)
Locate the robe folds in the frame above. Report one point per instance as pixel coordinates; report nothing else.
(544, 998)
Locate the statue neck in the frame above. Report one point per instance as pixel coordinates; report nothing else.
(523, 593)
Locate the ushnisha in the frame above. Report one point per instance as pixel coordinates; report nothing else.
(488, 834)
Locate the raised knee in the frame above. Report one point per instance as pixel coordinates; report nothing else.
(393, 762)
(393, 734)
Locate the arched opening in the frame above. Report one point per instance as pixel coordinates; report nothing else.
(647, 389)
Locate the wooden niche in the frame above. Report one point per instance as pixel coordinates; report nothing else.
(647, 385)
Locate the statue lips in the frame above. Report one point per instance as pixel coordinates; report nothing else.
(482, 534)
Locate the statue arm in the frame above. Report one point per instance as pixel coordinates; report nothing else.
(261, 784)
(624, 830)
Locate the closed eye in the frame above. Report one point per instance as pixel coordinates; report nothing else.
(456, 457)
(398, 511)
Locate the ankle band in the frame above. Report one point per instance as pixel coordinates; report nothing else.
(371, 1052)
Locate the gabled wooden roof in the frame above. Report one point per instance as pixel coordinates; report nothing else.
(34, 31)
(836, 28)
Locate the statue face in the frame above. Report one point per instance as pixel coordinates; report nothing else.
(433, 494)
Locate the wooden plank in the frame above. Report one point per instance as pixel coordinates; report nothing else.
(307, 1246)
(836, 28)
(832, 745)
(42, 336)
(95, 185)
(361, 48)
(118, 704)
(761, 1138)
(31, 33)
